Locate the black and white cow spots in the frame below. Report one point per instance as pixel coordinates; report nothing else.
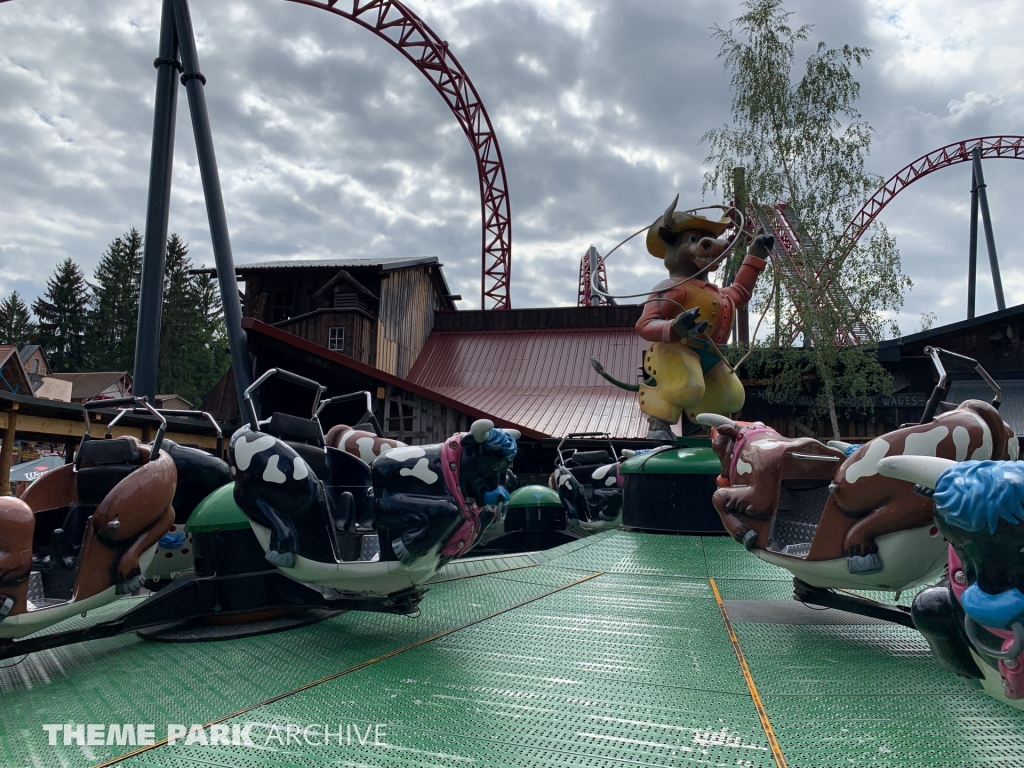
(246, 449)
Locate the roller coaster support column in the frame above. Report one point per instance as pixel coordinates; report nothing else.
(972, 251)
(154, 253)
(194, 82)
(986, 220)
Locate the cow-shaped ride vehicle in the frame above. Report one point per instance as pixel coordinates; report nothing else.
(974, 618)
(588, 484)
(84, 534)
(824, 513)
(326, 517)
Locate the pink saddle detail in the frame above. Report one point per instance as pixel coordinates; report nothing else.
(1013, 679)
(464, 536)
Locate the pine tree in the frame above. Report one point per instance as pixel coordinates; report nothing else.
(192, 338)
(16, 326)
(63, 316)
(114, 310)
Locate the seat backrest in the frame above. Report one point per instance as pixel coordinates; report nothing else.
(102, 464)
(584, 458)
(315, 458)
(101, 453)
(293, 429)
(348, 471)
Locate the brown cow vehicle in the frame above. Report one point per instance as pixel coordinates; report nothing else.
(89, 529)
(824, 513)
(360, 443)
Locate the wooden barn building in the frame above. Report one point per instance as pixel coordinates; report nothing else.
(390, 327)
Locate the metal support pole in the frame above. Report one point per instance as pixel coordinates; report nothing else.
(972, 251)
(154, 251)
(595, 298)
(986, 220)
(739, 190)
(194, 82)
(7, 458)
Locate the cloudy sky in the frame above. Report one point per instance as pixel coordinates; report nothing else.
(331, 144)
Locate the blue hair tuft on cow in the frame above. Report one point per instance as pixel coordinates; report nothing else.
(499, 438)
(973, 495)
(851, 449)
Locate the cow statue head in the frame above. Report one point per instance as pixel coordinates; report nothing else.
(756, 462)
(979, 508)
(487, 454)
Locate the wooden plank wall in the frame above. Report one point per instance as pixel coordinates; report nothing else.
(359, 331)
(435, 422)
(407, 305)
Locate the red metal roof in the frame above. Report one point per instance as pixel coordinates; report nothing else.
(253, 326)
(541, 379)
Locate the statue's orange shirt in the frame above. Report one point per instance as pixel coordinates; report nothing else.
(717, 305)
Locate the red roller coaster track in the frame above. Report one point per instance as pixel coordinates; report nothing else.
(991, 146)
(392, 21)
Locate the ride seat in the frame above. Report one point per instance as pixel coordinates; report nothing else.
(583, 463)
(102, 464)
(304, 436)
(351, 487)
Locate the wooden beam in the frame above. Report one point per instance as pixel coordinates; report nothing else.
(64, 428)
(10, 429)
(344, 275)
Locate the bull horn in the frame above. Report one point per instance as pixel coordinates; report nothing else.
(839, 445)
(481, 429)
(515, 433)
(715, 420)
(920, 470)
(670, 212)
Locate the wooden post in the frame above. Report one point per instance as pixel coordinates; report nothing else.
(739, 190)
(7, 447)
(69, 450)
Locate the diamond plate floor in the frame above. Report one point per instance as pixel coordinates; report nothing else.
(605, 653)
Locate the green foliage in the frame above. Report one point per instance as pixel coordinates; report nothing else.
(192, 337)
(16, 326)
(62, 313)
(801, 140)
(114, 311)
(94, 329)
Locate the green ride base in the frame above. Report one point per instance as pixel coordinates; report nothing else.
(609, 652)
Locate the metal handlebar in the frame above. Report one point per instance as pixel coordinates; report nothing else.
(349, 398)
(135, 402)
(571, 435)
(302, 381)
(942, 387)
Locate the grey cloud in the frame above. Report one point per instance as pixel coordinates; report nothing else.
(330, 143)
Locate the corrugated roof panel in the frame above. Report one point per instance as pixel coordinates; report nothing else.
(1012, 408)
(539, 378)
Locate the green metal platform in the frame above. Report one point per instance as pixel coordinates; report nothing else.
(605, 653)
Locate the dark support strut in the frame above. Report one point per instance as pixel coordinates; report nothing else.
(972, 253)
(851, 603)
(194, 82)
(154, 252)
(986, 220)
(176, 35)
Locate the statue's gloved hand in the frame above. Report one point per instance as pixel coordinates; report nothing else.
(685, 326)
(762, 244)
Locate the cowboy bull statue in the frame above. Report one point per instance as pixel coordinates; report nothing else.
(826, 514)
(974, 618)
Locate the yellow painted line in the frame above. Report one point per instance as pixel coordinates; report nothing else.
(762, 714)
(356, 668)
